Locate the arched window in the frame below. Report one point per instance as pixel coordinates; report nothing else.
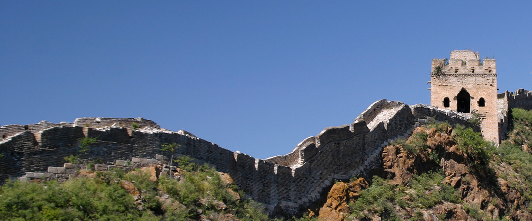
(481, 102)
(446, 102)
(464, 101)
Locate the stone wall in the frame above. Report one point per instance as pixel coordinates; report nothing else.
(10, 130)
(508, 100)
(286, 183)
(114, 122)
(520, 99)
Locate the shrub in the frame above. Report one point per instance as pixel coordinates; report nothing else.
(76, 199)
(429, 190)
(379, 198)
(135, 126)
(472, 143)
(86, 142)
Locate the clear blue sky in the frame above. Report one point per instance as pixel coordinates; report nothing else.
(253, 76)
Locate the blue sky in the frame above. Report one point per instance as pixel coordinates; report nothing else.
(253, 76)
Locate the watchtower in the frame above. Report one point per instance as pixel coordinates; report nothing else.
(467, 85)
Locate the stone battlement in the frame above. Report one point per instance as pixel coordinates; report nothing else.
(464, 62)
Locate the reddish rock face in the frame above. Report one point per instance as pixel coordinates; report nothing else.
(437, 151)
(336, 207)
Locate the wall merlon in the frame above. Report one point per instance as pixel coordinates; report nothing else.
(330, 134)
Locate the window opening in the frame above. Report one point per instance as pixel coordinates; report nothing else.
(464, 101)
(481, 102)
(446, 102)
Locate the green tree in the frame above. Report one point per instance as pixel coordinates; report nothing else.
(84, 146)
(170, 148)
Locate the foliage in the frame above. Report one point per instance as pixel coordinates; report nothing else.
(472, 143)
(86, 142)
(441, 127)
(521, 126)
(438, 70)
(511, 151)
(169, 147)
(76, 199)
(72, 159)
(103, 198)
(416, 143)
(476, 119)
(429, 190)
(423, 191)
(379, 198)
(84, 146)
(135, 126)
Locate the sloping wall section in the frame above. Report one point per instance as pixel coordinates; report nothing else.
(281, 183)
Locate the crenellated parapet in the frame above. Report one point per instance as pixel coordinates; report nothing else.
(100, 122)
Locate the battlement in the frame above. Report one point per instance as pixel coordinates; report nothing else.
(464, 55)
(464, 62)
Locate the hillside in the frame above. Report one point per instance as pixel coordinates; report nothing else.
(438, 171)
(443, 173)
(190, 192)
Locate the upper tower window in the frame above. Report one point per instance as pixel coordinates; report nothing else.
(481, 102)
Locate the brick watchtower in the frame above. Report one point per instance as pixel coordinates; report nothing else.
(465, 84)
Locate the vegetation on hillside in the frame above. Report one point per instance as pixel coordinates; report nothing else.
(199, 192)
(454, 174)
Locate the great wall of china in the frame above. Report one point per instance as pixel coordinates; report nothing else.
(286, 183)
(281, 183)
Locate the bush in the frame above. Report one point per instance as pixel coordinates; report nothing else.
(86, 142)
(379, 198)
(103, 198)
(429, 190)
(76, 199)
(423, 191)
(472, 143)
(135, 126)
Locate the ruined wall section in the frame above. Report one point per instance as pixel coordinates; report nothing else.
(99, 122)
(520, 99)
(13, 129)
(508, 100)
